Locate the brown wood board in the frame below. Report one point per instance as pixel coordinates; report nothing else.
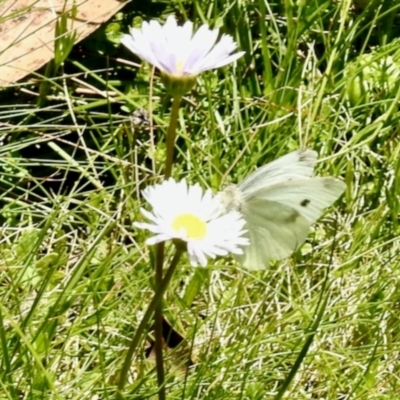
(27, 30)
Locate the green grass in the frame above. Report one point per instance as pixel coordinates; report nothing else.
(76, 277)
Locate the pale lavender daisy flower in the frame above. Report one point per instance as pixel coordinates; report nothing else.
(196, 217)
(178, 52)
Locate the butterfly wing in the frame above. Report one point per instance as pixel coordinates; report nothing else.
(293, 166)
(308, 197)
(274, 231)
(278, 217)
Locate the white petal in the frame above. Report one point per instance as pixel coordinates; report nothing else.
(202, 43)
(230, 59)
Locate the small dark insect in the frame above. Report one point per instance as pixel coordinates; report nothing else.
(305, 202)
(140, 118)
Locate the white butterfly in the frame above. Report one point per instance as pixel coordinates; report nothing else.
(279, 202)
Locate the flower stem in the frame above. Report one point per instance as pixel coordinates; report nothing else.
(158, 322)
(160, 284)
(146, 318)
(171, 135)
(158, 312)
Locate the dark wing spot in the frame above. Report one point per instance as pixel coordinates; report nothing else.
(292, 217)
(305, 202)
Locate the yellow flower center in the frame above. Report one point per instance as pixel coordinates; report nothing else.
(179, 67)
(194, 227)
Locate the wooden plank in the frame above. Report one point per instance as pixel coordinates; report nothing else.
(27, 30)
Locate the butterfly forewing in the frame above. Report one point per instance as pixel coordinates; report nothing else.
(296, 165)
(308, 197)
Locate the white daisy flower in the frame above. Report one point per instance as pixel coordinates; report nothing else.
(178, 51)
(198, 218)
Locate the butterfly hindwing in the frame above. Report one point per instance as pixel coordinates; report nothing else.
(274, 231)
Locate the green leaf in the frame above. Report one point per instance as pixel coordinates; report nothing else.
(200, 276)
